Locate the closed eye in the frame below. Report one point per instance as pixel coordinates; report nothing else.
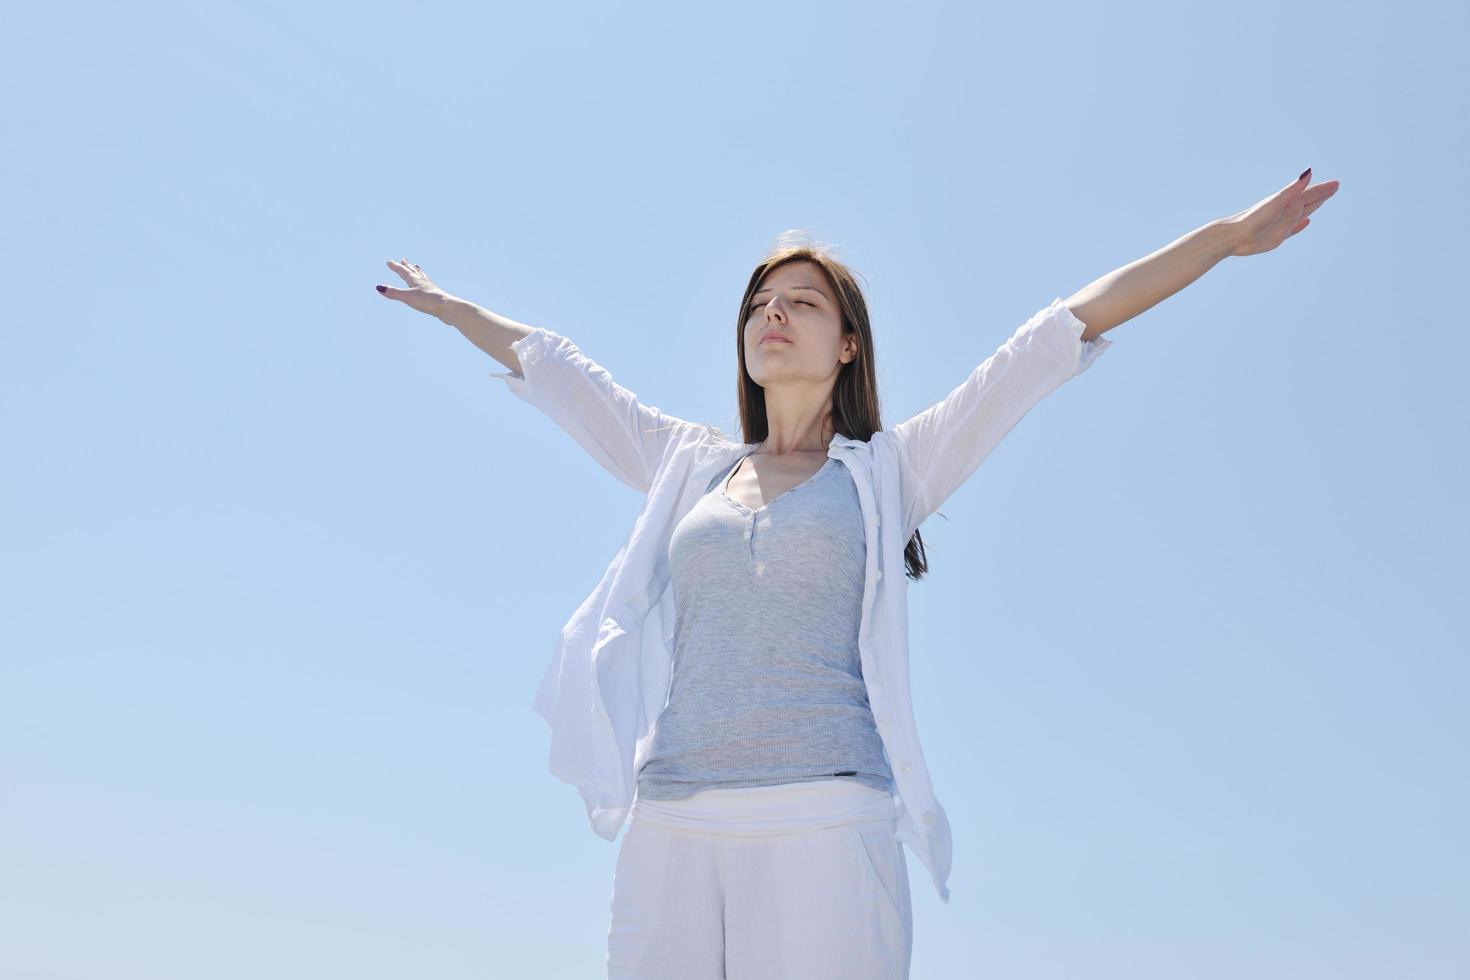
(757, 305)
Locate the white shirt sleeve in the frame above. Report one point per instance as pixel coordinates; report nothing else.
(627, 437)
(946, 442)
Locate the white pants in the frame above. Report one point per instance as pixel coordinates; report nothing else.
(798, 880)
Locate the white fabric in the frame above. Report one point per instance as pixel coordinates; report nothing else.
(609, 674)
(795, 881)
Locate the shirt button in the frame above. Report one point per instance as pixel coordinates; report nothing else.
(904, 766)
(929, 818)
(878, 575)
(760, 568)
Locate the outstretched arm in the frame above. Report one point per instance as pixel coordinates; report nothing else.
(492, 333)
(625, 435)
(1124, 293)
(946, 442)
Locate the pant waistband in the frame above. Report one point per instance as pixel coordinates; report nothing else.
(765, 811)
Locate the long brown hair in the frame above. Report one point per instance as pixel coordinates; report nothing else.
(855, 413)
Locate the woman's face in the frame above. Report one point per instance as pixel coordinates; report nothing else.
(793, 328)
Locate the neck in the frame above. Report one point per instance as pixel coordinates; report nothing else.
(797, 422)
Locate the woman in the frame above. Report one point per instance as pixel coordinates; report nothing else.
(737, 684)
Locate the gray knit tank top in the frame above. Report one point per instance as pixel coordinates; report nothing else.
(767, 686)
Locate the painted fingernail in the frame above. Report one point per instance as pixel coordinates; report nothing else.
(383, 290)
(1303, 173)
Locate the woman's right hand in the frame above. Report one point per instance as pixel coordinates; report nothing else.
(420, 293)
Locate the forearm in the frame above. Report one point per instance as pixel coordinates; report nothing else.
(1124, 293)
(490, 332)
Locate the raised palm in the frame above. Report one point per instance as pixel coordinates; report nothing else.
(1270, 222)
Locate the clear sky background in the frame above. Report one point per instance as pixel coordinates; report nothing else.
(282, 564)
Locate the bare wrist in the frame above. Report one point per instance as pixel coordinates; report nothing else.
(457, 312)
(1226, 232)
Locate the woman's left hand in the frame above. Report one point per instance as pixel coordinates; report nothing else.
(1265, 225)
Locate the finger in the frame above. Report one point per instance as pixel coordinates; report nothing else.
(1287, 193)
(397, 292)
(1295, 187)
(1299, 226)
(1321, 192)
(1315, 200)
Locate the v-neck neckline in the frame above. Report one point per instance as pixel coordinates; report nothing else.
(725, 483)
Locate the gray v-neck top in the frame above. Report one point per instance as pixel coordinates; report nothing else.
(767, 686)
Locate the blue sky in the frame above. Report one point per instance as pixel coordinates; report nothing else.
(283, 564)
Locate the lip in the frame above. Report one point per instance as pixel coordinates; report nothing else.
(778, 338)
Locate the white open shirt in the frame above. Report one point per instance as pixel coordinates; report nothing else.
(609, 674)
